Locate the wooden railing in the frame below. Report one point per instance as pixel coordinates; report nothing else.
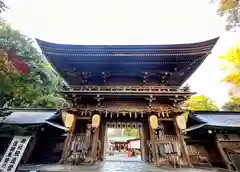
(130, 89)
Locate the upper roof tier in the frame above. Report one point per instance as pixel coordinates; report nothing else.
(126, 64)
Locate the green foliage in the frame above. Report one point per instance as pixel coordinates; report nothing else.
(200, 103)
(232, 65)
(131, 133)
(38, 86)
(9, 77)
(232, 105)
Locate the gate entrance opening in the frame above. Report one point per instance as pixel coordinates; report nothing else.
(123, 144)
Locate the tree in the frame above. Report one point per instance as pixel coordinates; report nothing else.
(234, 91)
(132, 133)
(28, 78)
(231, 64)
(3, 7)
(200, 103)
(9, 76)
(231, 10)
(232, 105)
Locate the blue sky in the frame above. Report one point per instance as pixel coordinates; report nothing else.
(129, 22)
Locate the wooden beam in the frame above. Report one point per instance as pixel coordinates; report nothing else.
(165, 119)
(84, 117)
(223, 155)
(30, 149)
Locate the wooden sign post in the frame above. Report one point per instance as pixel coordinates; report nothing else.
(14, 153)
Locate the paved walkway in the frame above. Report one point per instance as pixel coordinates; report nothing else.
(123, 157)
(108, 166)
(116, 163)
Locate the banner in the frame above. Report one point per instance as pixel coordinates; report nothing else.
(14, 153)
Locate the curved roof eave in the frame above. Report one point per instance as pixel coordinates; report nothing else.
(210, 42)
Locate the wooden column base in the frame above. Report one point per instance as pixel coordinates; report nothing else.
(183, 144)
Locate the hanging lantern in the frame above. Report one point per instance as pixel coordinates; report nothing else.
(153, 122)
(95, 121)
(181, 122)
(68, 119)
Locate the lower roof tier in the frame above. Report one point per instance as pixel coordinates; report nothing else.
(134, 64)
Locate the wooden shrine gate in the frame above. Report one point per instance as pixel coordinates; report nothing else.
(164, 145)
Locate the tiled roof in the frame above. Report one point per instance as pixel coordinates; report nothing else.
(29, 117)
(74, 62)
(221, 120)
(171, 48)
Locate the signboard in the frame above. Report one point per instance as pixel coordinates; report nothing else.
(14, 153)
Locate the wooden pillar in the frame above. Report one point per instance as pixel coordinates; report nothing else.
(94, 143)
(223, 154)
(144, 131)
(102, 138)
(105, 145)
(67, 143)
(182, 143)
(142, 146)
(95, 137)
(29, 152)
(153, 142)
